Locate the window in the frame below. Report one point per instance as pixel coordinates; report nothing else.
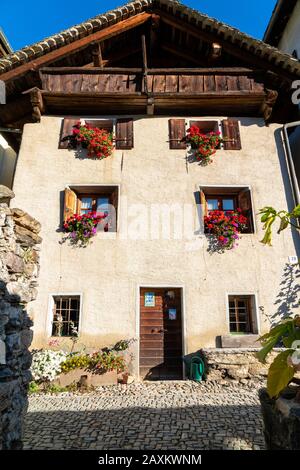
(228, 199)
(229, 128)
(65, 315)
(123, 129)
(84, 199)
(242, 314)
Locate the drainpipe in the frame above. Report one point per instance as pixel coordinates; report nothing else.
(294, 181)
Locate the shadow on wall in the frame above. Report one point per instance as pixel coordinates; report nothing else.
(288, 298)
(195, 427)
(287, 185)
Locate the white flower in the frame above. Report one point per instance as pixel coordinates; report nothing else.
(46, 364)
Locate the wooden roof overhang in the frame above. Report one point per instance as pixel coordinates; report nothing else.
(113, 63)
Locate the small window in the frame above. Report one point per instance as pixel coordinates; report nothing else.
(228, 199)
(65, 315)
(242, 315)
(84, 199)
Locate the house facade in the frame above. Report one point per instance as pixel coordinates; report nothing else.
(283, 29)
(155, 272)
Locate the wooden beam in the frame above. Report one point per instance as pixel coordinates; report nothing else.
(144, 50)
(215, 52)
(77, 45)
(232, 49)
(97, 56)
(157, 71)
(36, 99)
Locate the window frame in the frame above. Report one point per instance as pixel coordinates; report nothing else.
(51, 304)
(221, 197)
(94, 198)
(231, 190)
(254, 312)
(92, 189)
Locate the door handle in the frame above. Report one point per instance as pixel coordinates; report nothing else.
(162, 331)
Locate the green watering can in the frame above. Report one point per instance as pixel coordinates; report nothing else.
(196, 368)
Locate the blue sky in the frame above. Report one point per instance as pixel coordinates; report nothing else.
(27, 21)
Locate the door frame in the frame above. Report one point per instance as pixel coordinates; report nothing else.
(183, 317)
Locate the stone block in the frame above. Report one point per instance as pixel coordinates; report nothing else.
(240, 341)
(25, 220)
(13, 262)
(26, 237)
(6, 194)
(21, 292)
(238, 372)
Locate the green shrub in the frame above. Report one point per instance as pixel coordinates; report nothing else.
(33, 388)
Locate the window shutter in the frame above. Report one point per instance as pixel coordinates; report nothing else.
(69, 203)
(231, 131)
(66, 130)
(244, 203)
(203, 203)
(177, 133)
(114, 202)
(124, 134)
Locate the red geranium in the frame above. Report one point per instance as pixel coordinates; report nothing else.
(226, 226)
(99, 142)
(83, 227)
(204, 144)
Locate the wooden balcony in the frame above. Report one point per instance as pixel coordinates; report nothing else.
(229, 91)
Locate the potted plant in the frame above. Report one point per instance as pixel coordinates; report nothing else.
(98, 142)
(81, 228)
(226, 227)
(281, 400)
(204, 144)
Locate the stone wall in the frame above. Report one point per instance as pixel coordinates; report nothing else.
(19, 267)
(235, 364)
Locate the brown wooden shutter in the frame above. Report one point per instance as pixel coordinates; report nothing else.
(124, 133)
(203, 203)
(177, 133)
(69, 203)
(244, 203)
(66, 130)
(231, 131)
(114, 202)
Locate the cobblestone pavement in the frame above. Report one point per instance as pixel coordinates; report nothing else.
(148, 416)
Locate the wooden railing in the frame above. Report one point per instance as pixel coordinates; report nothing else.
(196, 81)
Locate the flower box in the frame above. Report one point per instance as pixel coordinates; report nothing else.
(86, 377)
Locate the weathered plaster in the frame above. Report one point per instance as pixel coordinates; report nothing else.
(108, 271)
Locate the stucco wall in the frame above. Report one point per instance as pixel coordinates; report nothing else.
(290, 40)
(108, 272)
(7, 163)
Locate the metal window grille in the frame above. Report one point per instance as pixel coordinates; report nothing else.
(65, 316)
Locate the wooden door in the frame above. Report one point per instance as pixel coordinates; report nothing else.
(160, 334)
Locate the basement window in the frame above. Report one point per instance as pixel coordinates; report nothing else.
(242, 315)
(66, 310)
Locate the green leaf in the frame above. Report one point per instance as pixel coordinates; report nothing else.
(280, 373)
(278, 332)
(283, 224)
(296, 211)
